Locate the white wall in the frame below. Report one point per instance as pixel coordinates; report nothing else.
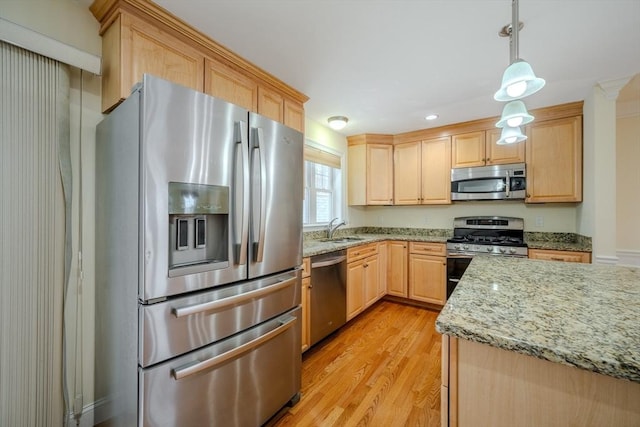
(541, 218)
(628, 182)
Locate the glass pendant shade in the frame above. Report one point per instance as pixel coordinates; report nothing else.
(511, 135)
(514, 114)
(518, 81)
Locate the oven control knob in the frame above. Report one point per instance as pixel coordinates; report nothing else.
(465, 247)
(502, 250)
(489, 249)
(512, 250)
(457, 247)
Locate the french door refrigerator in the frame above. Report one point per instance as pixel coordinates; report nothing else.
(198, 247)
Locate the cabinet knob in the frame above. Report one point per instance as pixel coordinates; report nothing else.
(366, 265)
(310, 286)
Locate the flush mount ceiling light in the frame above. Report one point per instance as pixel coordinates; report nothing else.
(514, 114)
(511, 135)
(431, 117)
(337, 122)
(518, 80)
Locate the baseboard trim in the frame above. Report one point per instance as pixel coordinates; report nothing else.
(86, 419)
(628, 258)
(608, 260)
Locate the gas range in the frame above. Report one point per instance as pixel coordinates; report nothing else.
(491, 235)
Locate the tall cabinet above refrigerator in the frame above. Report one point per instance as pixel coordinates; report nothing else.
(199, 239)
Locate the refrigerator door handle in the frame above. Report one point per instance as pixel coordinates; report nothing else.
(234, 300)
(199, 366)
(258, 149)
(240, 201)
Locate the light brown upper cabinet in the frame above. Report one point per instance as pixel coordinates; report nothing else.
(481, 149)
(226, 83)
(270, 104)
(422, 172)
(554, 160)
(132, 47)
(138, 37)
(370, 169)
(294, 115)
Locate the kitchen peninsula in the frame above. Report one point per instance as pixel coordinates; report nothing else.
(529, 342)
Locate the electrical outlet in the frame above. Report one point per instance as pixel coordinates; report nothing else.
(426, 220)
(539, 221)
(380, 219)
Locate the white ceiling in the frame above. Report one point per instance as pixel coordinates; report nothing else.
(385, 64)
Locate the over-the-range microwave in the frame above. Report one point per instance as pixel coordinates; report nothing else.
(498, 182)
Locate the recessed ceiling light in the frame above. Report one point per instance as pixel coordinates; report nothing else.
(431, 117)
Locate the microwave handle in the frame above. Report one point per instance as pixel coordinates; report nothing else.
(508, 189)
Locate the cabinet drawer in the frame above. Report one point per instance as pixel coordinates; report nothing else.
(306, 267)
(363, 251)
(565, 256)
(428, 248)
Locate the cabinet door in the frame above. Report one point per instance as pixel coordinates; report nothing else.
(146, 49)
(467, 150)
(226, 83)
(306, 306)
(565, 256)
(270, 104)
(427, 278)
(436, 171)
(371, 280)
(397, 269)
(294, 115)
(554, 161)
(406, 174)
(355, 288)
(379, 174)
(382, 268)
(502, 154)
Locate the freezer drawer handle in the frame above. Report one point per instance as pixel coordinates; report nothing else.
(194, 368)
(231, 301)
(329, 262)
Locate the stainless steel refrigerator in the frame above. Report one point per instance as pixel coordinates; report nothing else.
(198, 243)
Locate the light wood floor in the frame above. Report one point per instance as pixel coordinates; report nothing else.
(381, 369)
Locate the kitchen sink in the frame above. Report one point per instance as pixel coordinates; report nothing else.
(343, 239)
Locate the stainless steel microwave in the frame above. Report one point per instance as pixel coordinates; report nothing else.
(499, 182)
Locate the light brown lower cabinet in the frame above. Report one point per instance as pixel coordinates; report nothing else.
(305, 299)
(362, 278)
(566, 256)
(487, 386)
(397, 264)
(427, 272)
(305, 303)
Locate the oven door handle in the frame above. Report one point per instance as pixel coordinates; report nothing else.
(199, 366)
(454, 280)
(231, 301)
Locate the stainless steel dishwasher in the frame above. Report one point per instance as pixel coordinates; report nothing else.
(328, 294)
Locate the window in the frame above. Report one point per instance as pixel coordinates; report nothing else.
(323, 199)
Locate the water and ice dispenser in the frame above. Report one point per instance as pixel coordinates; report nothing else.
(198, 228)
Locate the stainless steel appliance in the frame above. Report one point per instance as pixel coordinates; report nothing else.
(328, 294)
(199, 239)
(489, 182)
(490, 235)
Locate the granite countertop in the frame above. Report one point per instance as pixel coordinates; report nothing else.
(312, 247)
(581, 315)
(315, 243)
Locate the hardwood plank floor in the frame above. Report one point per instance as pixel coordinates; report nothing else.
(381, 369)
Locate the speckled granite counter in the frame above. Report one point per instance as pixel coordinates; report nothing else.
(315, 243)
(580, 315)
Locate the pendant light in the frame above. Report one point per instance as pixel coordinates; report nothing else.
(518, 80)
(511, 135)
(514, 114)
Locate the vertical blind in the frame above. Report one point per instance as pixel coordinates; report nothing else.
(34, 145)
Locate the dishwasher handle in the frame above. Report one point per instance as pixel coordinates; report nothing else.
(329, 262)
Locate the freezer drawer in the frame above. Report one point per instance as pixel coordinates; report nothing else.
(180, 325)
(241, 381)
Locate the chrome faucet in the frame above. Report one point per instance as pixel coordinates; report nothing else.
(332, 229)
